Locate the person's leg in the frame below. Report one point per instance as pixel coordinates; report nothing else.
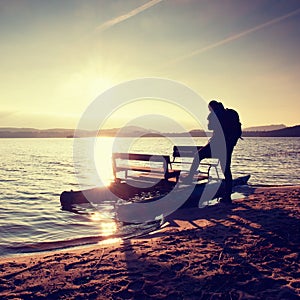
(228, 176)
(204, 152)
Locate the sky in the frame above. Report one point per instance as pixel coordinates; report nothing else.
(57, 57)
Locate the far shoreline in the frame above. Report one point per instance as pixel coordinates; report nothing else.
(132, 131)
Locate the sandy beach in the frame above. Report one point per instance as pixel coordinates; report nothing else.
(249, 250)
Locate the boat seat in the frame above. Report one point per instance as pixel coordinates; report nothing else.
(143, 166)
(182, 160)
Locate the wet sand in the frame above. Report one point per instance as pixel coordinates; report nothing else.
(249, 250)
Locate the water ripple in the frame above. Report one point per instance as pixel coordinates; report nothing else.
(34, 172)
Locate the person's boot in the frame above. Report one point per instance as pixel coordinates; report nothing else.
(226, 199)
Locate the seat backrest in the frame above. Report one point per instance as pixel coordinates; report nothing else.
(185, 151)
(142, 157)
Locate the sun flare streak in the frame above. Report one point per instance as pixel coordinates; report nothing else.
(106, 25)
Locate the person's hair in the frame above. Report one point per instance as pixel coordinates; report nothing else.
(215, 105)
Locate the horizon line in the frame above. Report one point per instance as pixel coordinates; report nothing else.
(117, 128)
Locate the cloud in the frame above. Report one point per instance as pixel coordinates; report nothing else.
(232, 38)
(108, 24)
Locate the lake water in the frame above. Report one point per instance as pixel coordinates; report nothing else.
(34, 172)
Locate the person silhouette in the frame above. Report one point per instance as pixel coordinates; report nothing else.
(226, 131)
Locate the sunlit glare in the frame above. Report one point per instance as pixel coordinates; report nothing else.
(103, 153)
(108, 228)
(96, 217)
(110, 241)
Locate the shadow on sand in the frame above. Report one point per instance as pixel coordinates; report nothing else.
(249, 250)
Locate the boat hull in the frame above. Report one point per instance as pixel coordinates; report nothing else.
(188, 196)
(113, 192)
(179, 198)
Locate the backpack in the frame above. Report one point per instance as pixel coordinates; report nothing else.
(232, 125)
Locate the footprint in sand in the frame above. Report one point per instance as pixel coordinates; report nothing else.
(81, 280)
(165, 257)
(178, 267)
(124, 294)
(136, 285)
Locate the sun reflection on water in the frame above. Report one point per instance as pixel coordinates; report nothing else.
(110, 241)
(103, 153)
(104, 147)
(107, 227)
(96, 216)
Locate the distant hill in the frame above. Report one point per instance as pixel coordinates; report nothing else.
(134, 131)
(293, 131)
(265, 128)
(11, 132)
(15, 129)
